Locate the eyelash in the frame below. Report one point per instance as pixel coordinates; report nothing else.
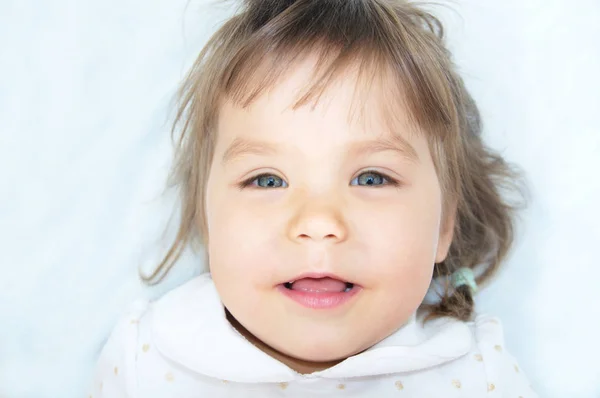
(389, 180)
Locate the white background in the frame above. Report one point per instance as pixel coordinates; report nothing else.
(85, 99)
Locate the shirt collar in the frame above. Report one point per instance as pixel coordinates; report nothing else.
(188, 326)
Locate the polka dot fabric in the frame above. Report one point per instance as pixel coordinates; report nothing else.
(140, 361)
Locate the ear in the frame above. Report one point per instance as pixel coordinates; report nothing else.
(446, 232)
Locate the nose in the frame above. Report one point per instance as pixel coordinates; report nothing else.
(318, 222)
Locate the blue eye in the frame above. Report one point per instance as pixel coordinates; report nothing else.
(371, 178)
(265, 181)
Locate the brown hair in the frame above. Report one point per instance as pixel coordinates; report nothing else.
(391, 38)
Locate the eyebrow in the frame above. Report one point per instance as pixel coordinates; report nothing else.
(394, 142)
(244, 146)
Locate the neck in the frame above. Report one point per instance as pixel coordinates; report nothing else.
(299, 365)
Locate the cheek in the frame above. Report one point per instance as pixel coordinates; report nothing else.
(241, 241)
(402, 244)
(234, 255)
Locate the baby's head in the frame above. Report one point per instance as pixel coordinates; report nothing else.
(331, 162)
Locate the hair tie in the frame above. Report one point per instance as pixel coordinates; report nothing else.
(464, 277)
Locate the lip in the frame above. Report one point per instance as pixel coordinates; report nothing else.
(318, 275)
(319, 300)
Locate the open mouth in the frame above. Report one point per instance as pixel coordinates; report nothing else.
(319, 292)
(319, 285)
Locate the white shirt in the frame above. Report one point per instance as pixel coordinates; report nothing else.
(183, 346)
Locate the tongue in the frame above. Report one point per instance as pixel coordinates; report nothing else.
(319, 285)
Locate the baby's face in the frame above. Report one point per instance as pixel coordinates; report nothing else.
(322, 232)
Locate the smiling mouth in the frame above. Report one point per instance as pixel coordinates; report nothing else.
(319, 285)
(319, 291)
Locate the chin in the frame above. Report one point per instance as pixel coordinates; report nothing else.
(322, 351)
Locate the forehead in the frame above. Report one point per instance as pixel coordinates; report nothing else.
(348, 117)
(368, 104)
